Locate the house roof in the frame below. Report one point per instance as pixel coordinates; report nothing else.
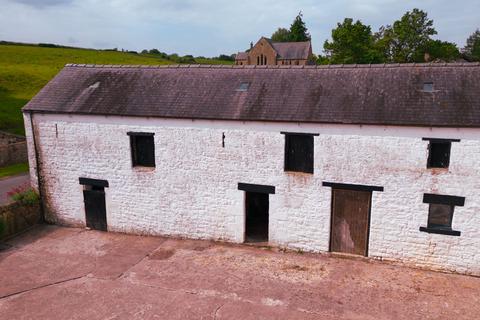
(241, 56)
(292, 50)
(285, 50)
(350, 94)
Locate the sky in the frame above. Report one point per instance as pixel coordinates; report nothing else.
(210, 28)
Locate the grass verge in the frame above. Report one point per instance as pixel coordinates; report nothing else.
(13, 170)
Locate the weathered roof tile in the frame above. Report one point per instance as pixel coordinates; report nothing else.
(363, 94)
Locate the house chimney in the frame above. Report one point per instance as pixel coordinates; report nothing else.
(251, 45)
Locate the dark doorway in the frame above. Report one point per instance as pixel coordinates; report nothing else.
(256, 222)
(350, 221)
(95, 210)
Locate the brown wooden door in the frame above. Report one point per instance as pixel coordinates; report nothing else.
(350, 221)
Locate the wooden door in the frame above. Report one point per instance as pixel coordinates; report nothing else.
(95, 210)
(350, 221)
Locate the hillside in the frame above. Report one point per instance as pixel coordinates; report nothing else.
(25, 69)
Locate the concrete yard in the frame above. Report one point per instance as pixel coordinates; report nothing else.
(64, 273)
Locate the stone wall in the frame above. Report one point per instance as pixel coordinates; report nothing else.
(13, 149)
(262, 48)
(16, 218)
(193, 191)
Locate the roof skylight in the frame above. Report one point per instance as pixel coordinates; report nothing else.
(243, 86)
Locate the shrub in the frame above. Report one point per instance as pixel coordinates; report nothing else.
(24, 195)
(48, 45)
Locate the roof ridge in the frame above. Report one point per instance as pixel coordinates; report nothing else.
(231, 66)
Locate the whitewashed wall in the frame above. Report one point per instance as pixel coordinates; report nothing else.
(193, 192)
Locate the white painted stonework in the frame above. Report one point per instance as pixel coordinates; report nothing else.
(193, 191)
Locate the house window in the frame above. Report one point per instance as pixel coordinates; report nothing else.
(299, 152)
(142, 148)
(440, 213)
(439, 152)
(440, 216)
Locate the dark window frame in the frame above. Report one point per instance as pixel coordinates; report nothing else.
(147, 160)
(441, 200)
(308, 166)
(432, 161)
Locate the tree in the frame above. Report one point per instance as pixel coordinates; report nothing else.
(281, 35)
(407, 39)
(441, 50)
(298, 30)
(472, 49)
(322, 60)
(352, 43)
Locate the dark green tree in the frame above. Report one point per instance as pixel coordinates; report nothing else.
(441, 50)
(281, 35)
(298, 30)
(407, 39)
(352, 43)
(322, 60)
(472, 49)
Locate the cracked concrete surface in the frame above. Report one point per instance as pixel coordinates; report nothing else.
(63, 273)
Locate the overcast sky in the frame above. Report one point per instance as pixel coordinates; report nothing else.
(208, 28)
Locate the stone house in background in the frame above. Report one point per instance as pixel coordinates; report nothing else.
(267, 52)
(378, 161)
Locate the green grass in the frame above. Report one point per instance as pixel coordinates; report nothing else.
(25, 69)
(13, 170)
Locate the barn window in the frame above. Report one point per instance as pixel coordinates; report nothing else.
(439, 152)
(298, 152)
(142, 148)
(440, 213)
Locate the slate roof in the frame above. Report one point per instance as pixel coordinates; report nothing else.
(363, 94)
(292, 50)
(241, 56)
(285, 50)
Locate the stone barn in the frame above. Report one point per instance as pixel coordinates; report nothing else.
(379, 161)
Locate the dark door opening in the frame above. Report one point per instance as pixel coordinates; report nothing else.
(350, 221)
(95, 210)
(256, 222)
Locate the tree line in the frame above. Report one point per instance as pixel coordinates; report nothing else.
(406, 40)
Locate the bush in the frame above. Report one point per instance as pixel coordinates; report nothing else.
(226, 57)
(48, 45)
(24, 195)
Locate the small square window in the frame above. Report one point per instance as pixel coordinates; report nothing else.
(440, 216)
(428, 86)
(142, 149)
(439, 154)
(440, 213)
(299, 152)
(243, 86)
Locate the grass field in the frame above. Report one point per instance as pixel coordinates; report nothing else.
(24, 70)
(13, 170)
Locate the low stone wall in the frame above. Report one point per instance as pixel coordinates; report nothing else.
(13, 153)
(16, 217)
(13, 149)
